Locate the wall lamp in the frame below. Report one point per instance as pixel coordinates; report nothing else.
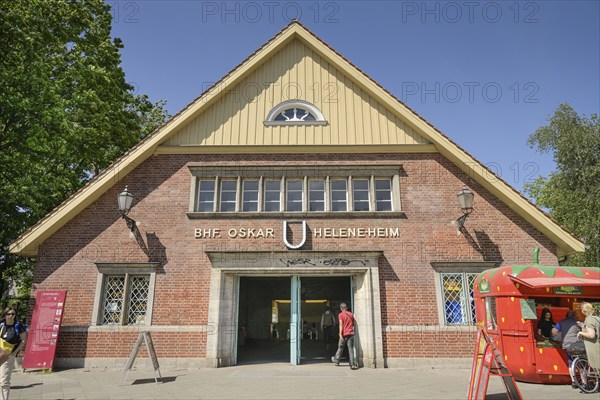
(125, 199)
(465, 198)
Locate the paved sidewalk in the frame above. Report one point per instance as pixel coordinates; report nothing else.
(269, 381)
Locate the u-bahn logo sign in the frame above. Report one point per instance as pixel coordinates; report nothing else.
(285, 238)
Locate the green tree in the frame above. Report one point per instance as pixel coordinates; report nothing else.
(572, 192)
(66, 110)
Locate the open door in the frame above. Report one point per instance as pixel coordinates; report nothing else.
(295, 321)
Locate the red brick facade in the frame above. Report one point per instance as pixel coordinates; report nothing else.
(161, 186)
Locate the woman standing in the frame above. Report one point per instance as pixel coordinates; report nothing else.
(13, 336)
(591, 334)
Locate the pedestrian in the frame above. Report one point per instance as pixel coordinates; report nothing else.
(327, 325)
(13, 336)
(590, 334)
(346, 336)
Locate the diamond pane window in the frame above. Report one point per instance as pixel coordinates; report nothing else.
(114, 290)
(138, 299)
(457, 295)
(125, 299)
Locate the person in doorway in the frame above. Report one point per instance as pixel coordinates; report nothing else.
(314, 333)
(328, 324)
(545, 325)
(13, 336)
(590, 334)
(306, 330)
(346, 336)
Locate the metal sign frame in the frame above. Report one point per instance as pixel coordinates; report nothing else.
(147, 338)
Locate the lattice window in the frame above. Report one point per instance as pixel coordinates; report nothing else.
(457, 295)
(138, 299)
(114, 290)
(125, 295)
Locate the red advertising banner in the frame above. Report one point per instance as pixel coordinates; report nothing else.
(44, 329)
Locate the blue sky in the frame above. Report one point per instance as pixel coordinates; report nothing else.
(486, 73)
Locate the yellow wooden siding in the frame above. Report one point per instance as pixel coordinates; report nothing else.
(296, 72)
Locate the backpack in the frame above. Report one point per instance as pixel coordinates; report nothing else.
(328, 320)
(18, 328)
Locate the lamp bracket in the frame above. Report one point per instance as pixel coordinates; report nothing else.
(130, 222)
(460, 221)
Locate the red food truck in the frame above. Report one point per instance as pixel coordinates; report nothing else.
(508, 305)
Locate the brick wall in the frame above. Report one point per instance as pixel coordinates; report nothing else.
(161, 185)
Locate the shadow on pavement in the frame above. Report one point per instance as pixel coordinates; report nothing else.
(164, 379)
(26, 386)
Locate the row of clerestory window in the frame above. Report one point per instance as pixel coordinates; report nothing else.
(295, 194)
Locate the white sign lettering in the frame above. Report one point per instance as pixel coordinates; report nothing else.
(318, 233)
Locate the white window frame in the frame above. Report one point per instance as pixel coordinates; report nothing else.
(264, 175)
(127, 270)
(279, 191)
(244, 192)
(391, 192)
(323, 191)
(368, 191)
(235, 202)
(466, 299)
(457, 267)
(214, 192)
(298, 104)
(331, 191)
(302, 193)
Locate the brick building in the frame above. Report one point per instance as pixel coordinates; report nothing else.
(293, 184)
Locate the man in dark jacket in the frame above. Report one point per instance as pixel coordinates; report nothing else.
(568, 329)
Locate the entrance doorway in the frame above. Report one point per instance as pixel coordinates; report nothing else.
(279, 318)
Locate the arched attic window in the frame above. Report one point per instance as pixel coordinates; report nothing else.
(295, 112)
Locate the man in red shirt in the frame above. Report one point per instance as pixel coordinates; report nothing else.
(346, 325)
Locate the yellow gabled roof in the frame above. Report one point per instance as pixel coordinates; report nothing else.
(28, 242)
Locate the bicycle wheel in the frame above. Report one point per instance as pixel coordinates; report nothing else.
(585, 376)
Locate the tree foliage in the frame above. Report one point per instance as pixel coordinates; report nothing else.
(66, 110)
(572, 192)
